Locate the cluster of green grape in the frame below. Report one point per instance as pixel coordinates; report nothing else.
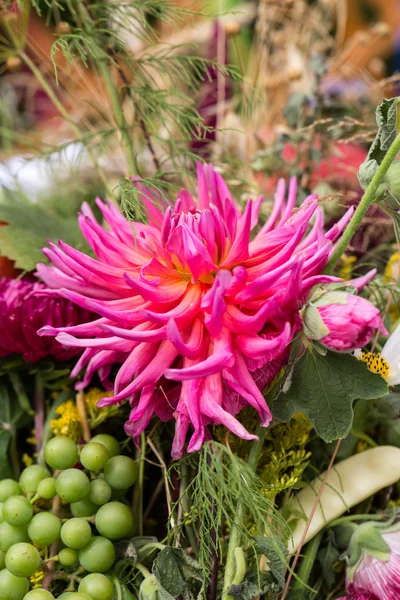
(83, 517)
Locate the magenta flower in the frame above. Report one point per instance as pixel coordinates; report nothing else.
(374, 562)
(342, 321)
(362, 596)
(25, 308)
(198, 314)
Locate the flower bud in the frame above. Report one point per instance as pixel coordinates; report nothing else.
(374, 562)
(341, 321)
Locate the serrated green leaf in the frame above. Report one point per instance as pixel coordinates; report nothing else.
(324, 389)
(255, 585)
(175, 571)
(386, 119)
(275, 551)
(29, 228)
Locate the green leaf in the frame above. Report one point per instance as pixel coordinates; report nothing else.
(294, 108)
(255, 585)
(275, 551)
(175, 571)
(29, 228)
(386, 119)
(324, 388)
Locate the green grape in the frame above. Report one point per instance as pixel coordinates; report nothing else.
(74, 596)
(76, 533)
(100, 491)
(114, 520)
(47, 488)
(120, 472)
(17, 511)
(109, 442)
(44, 529)
(84, 508)
(9, 487)
(72, 485)
(61, 452)
(67, 557)
(31, 477)
(12, 587)
(10, 535)
(39, 595)
(97, 586)
(22, 560)
(98, 556)
(2, 559)
(94, 456)
(1, 512)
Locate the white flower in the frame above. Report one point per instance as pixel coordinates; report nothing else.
(391, 353)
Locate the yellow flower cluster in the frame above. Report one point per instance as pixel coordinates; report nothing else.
(68, 422)
(36, 579)
(346, 266)
(284, 456)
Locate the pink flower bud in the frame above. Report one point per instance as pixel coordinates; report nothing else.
(374, 563)
(342, 321)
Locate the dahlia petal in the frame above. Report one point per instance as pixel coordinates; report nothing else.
(106, 343)
(164, 293)
(210, 404)
(277, 208)
(239, 250)
(257, 347)
(136, 335)
(151, 373)
(194, 346)
(360, 282)
(134, 363)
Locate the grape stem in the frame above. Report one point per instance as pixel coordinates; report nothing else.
(55, 508)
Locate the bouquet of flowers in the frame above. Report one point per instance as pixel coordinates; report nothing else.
(199, 305)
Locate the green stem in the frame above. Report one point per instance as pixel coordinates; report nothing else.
(102, 59)
(364, 437)
(235, 535)
(303, 575)
(355, 517)
(138, 492)
(64, 113)
(119, 116)
(186, 508)
(365, 202)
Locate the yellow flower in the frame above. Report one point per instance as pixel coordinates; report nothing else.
(392, 271)
(346, 266)
(68, 422)
(32, 440)
(36, 579)
(27, 460)
(98, 415)
(375, 362)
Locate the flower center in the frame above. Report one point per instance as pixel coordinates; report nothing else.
(376, 363)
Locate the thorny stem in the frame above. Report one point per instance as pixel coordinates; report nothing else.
(314, 508)
(365, 202)
(64, 113)
(235, 536)
(39, 412)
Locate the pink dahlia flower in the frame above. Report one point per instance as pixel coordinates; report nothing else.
(342, 321)
(24, 308)
(198, 313)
